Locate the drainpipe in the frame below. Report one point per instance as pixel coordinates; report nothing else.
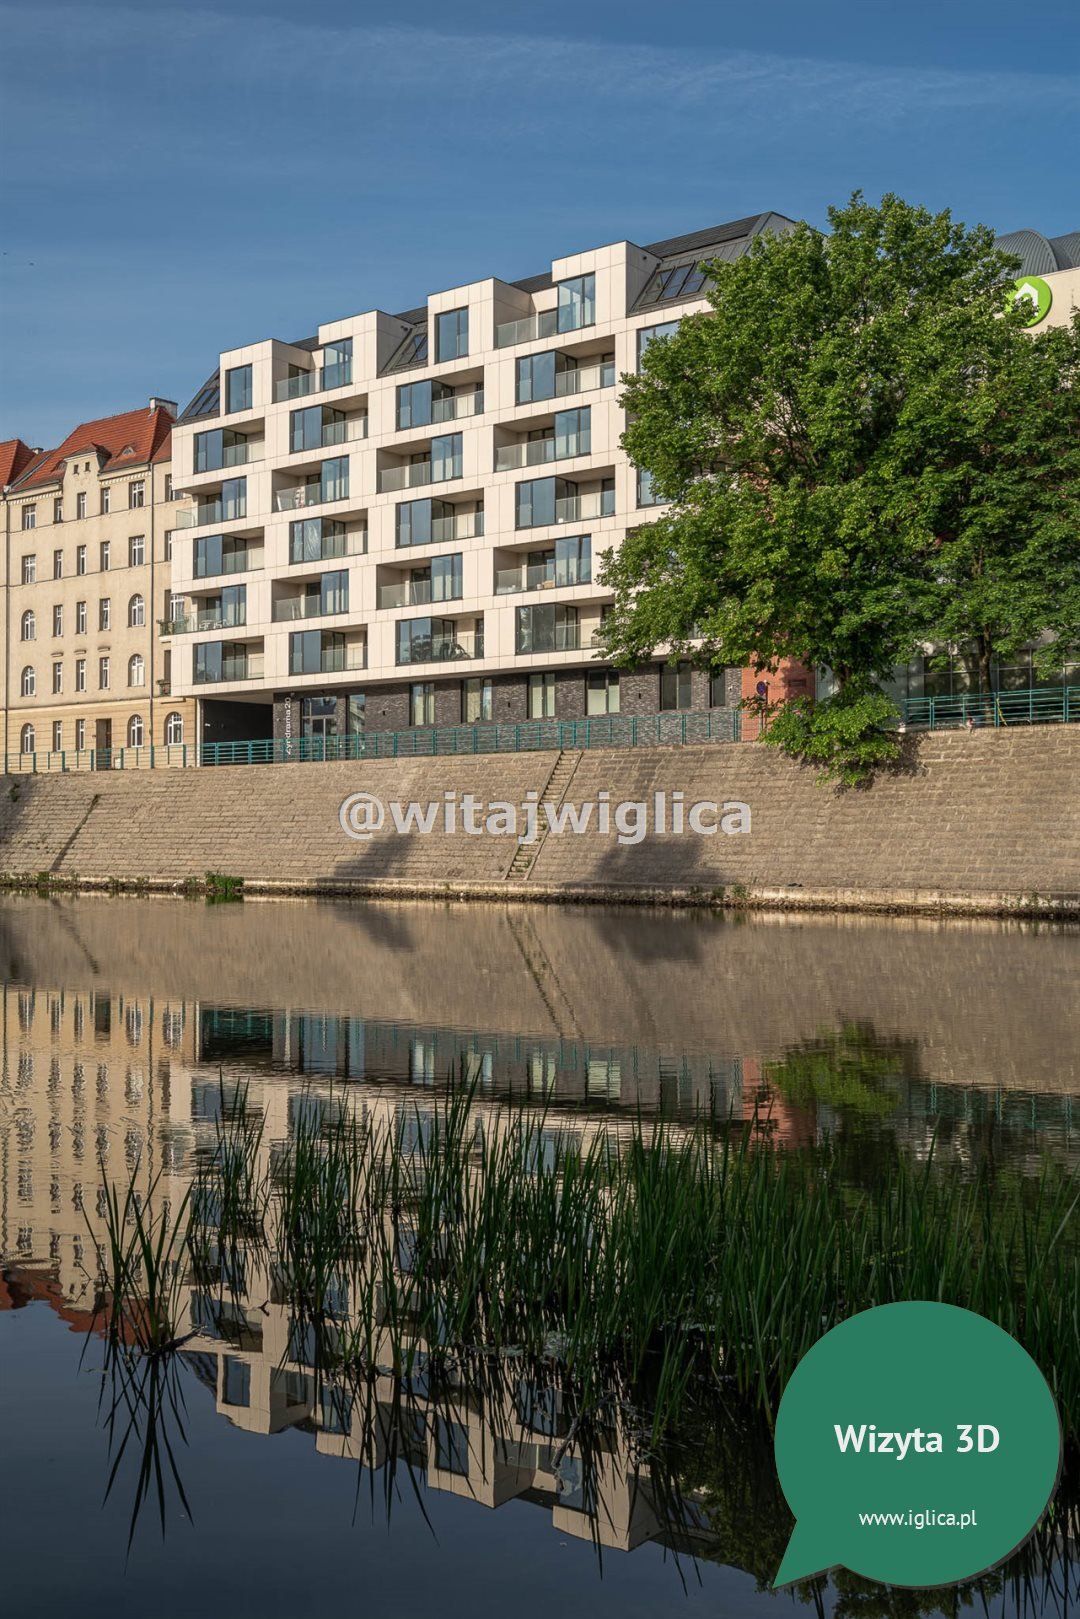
(7, 610)
(152, 603)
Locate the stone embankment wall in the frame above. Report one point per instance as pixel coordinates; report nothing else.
(981, 823)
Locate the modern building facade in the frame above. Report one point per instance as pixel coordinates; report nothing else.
(87, 570)
(398, 522)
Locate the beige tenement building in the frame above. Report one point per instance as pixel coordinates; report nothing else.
(86, 571)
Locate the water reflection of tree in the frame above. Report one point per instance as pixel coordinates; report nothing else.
(852, 1068)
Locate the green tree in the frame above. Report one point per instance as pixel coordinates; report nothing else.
(824, 436)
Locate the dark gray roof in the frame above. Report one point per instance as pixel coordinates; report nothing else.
(697, 241)
(1042, 255)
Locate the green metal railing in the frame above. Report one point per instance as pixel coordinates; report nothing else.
(594, 731)
(1051, 705)
(1033, 705)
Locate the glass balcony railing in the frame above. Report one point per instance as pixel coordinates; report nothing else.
(208, 511)
(412, 593)
(338, 375)
(462, 526)
(583, 378)
(453, 406)
(539, 576)
(210, 618)
(326, 547)
(576, 508)
(448, 648)
(232, 562)
(332, 660)
(289, 609)
(544, 324)
(533, 453)
(409, 477)
(549, 638)
(353, 427)
(308, 494)
(249, 667)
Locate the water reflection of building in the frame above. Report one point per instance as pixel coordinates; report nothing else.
(90, 1077)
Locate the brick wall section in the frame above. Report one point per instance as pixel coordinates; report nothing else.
(992, 812)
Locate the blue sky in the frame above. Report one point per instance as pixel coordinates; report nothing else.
(181, 179)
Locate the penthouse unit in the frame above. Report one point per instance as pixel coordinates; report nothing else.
(87, 559)
(397, 523)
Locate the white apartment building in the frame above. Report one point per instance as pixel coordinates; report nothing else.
(398, 522)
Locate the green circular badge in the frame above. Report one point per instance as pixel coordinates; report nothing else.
(1033, 294)
(917, 1444)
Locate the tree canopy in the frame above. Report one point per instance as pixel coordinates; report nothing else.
(863, 451)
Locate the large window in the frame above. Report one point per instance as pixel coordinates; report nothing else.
(422, 703)
(135, 731)
(437, 581)
(646, 496)
(136, 613)
(136, 670)
(174, 730)
(549, 628)
(334, 478)
(602, 691)
(29, 626)
(316, 539)
(576, 303)
(220, 447)
(337, 363)
(219, 553)
(428, 640)
(233, 499)
(573, 435)
(313, 652)
(219, 660)
(445, 457)
(675, 689)
(535, 501)
(238, 388)
(434, 522)
(535, 378)
(476, 706)
(315, 426)
(649, 334)
(542, 697)
(452, 334)
(27, 739)
(573, 560)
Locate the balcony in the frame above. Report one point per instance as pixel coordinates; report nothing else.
(213, 618)
(544, 324)
(462, 526)
(452, 646)
(305, 495)
(584, 378)
(410, 477)
(319, 380)
(533, 453)
(578, 508)
(232, 562)
(326, 547)
(452, 407)
(539, 576)
(413, 593)
(209, 511)
(341, 658)
(291, 609)
(346, 432)
(243, 665)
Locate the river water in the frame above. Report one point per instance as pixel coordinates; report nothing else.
(127, 1023)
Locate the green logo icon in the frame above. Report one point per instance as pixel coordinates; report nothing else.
(1033, 294)
(917, 1444)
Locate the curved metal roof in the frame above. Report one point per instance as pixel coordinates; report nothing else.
(1042, 255)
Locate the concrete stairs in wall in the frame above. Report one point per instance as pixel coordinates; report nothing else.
(553, 794)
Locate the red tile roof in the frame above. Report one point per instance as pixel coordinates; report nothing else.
(15, 457)
(145, 433)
